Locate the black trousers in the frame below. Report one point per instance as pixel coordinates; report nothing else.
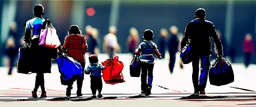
(96, 84)
(146, 75)
(110, 52)
(11, 64)
(172, 61)
(39, 82)
(79, 81)
(247, 60)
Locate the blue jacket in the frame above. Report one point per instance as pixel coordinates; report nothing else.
(94, 69)
(147, 50)
(35, 25)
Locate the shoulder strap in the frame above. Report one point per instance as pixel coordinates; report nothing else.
(150, 45)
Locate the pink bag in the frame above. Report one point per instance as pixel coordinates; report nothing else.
(43, 35)
(52, 39)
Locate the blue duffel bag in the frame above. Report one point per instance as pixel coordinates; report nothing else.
(69, 69)
(186, 54)
(135, 67)
(221, 72)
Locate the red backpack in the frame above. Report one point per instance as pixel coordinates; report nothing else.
(112, 73)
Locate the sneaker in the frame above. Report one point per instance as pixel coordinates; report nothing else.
(202, 92)
(194, 95)
(143, 94)
(148, 92)
(99, 96)
(68, 93)
(79, 94)
(43, 95)
(34, 95)
(94, 96)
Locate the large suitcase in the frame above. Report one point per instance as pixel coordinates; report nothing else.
(135, 68)
(24, 60)
(69, 69)
(221, 72)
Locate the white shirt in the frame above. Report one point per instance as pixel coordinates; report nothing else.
(111, 40)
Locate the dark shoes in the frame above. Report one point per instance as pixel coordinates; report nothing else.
(34, 94)
(43, 95)
(202, 93)
(99, 96)
(148, 91)
(68, 92)
(94, 96)
(79, 94)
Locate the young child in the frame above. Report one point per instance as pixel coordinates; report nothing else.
(147, 49)
(95, 70)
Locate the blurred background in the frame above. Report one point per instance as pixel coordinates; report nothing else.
(235, 20)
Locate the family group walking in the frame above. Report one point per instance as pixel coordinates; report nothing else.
(197, 35)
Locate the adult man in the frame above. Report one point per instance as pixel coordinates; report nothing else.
(199, 31)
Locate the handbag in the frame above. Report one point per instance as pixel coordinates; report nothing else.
(186, 54)
(221, 72)
(135, 68)
(24, 60)
(48, 37)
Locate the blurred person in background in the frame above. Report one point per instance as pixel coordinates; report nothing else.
(199, 31)
(173, 44)
(92, 43)
(13, 32)
(162, 42)
(133, 40)
(96, 41)
(248, 49)
(75, 46)
(41, 60)
(110, 42)
(11, 52)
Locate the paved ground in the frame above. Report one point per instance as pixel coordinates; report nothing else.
(168, 89)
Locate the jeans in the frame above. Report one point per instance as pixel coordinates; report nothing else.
(172, 62)
(205, 64)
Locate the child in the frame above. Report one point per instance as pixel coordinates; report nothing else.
(147, 49)
(95, 70)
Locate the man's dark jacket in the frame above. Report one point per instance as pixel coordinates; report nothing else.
(199, 32)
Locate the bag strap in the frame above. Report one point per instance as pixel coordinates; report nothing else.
(150, 45)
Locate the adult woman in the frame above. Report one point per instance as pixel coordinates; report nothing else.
(41, 59)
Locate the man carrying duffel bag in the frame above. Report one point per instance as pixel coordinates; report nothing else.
(199, 31)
